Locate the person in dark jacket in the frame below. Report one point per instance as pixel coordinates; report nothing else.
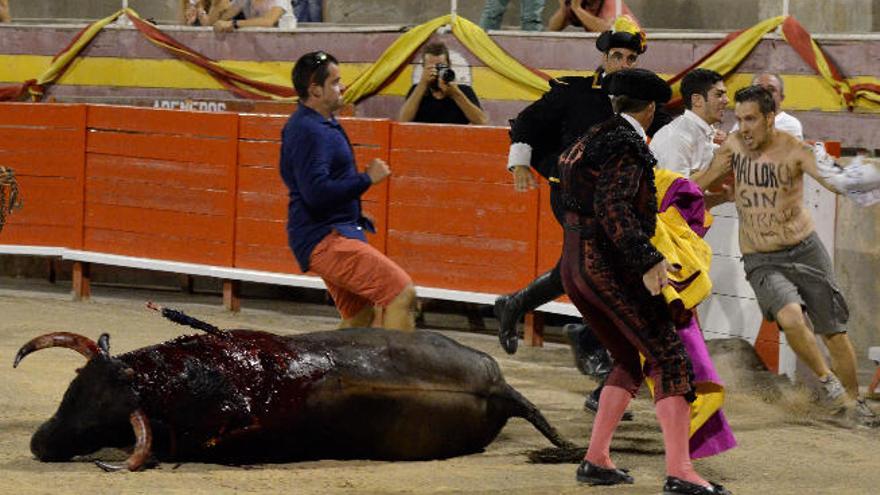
(614, 276)
(325, 224)
(538, 135)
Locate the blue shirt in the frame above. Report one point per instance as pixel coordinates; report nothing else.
(317, 165)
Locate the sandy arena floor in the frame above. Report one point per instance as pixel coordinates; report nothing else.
(785, 445)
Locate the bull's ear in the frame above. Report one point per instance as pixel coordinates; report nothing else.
(104, 344)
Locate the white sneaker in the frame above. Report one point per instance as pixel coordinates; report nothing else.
(834, 391)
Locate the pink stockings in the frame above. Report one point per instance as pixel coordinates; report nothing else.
(673, 413)
(612, 404)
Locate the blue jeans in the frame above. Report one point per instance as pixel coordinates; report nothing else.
(308, 10)
(530, 14)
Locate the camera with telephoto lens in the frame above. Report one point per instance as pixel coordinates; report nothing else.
(445, 74)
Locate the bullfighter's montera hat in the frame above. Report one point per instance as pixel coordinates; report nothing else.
(624, 33)
(640, 84)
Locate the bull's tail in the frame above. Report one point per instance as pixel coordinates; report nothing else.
(182, 318)
(523, 408)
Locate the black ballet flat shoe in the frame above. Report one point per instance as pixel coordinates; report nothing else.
(678, 486)
(592, 474)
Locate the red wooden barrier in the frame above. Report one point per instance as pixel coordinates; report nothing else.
(45, 145)
(454, 220)
(161, 184)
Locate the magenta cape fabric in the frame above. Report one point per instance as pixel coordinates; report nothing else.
(715, 436)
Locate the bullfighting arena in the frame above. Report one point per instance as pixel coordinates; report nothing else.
(785, 445)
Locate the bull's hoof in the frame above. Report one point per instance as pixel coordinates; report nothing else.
(592, 474)
(506, 310)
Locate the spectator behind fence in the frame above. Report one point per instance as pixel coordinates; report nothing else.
(5, 16)
(193, 12)
(437, 98)
(308, 10)
(593, 15)
(229, 15)
(530, 14)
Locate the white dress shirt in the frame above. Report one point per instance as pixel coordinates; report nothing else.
(636, 125)
(684, 145)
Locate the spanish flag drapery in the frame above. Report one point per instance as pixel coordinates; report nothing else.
(251, 85)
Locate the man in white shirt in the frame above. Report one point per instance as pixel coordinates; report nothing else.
(783, 121)
(686, 145)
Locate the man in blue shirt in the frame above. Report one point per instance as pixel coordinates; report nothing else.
(325, 226)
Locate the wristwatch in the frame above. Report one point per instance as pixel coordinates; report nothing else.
(235, 24)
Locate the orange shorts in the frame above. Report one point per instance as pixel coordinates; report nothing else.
(356, 274)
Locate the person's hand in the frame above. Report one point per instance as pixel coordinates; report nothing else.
(378, 170)
(222, 26)
(446, 87)
(656, 278)
(719, 136)
(190, 15)
(727, 191)
(429, 75)
(577, 7)
(562, 5)
(523, 180)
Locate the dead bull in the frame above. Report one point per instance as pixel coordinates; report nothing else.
(243, 396)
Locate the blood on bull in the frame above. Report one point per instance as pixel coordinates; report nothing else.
(244, 396)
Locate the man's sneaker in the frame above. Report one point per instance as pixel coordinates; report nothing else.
(834, 391)
(864, 415)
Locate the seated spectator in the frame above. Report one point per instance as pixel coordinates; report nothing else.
(5, 16)
(229, 15)
(530, 14)
(593, 15)
(438, 100)
(308, 10)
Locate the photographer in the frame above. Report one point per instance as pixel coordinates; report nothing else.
(437, 99)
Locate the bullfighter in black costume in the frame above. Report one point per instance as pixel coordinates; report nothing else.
(538, 135)
(614, 275)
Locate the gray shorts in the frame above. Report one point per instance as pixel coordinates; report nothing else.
(799, 274)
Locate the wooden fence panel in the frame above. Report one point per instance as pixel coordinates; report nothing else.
(44, 145)
(161, 184)
(454, 220)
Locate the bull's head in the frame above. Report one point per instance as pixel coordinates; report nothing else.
(97, 406)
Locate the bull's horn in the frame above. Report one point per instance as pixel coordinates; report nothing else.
(78, 343)
(141, 453)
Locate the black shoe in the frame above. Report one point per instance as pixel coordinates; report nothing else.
(675, 485)
(507, 311)
(590, 357)
(590, 473)
(510, 308)
(591, 403)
